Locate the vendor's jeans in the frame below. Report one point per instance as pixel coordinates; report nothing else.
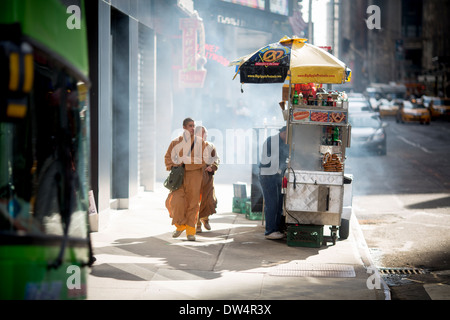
(273, 201)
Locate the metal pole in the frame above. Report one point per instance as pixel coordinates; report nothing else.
(333, 24)
(310, 31)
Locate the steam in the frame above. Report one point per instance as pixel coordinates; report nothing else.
(237, 123)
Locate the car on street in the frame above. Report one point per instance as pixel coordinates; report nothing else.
(352, 96)
(390, 91)
(368, 134)
(413, 111)
(373, 96)
(355, 106)
(388, 108)
(438, 107)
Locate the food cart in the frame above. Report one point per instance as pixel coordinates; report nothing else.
(316, 190)
(318, 135)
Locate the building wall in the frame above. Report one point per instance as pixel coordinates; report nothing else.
(382, 65)
(353, 43)
(118, 168)
(436, 44)
(147, 108)
(394, 52)
(136, 106)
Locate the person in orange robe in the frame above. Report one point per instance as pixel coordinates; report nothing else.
(183, 204)
(208, 198)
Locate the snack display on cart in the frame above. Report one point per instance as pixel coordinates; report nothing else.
(319, 116)
(338, 117)
(332, 163)
(311, 107)
(301, 115)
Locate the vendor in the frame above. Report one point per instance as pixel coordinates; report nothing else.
(272, 166)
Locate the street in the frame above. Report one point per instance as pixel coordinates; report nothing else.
(402, 201)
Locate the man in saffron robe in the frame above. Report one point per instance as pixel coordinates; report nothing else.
(183, 204)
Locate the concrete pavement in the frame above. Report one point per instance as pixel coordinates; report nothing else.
(138, 259)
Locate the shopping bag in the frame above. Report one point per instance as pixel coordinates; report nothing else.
(175, 179)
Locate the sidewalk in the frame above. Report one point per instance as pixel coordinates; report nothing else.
(138, 259)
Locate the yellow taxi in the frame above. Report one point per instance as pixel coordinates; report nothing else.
(439, 107)
(388, 107)
(412, 111)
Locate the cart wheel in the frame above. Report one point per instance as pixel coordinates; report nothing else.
(334, 230)
(344, 229)
(334, 238)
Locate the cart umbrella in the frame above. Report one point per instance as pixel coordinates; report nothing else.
(305, 62)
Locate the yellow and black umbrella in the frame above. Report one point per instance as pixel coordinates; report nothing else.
(304, 62)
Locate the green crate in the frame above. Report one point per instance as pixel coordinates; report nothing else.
(240, 190)
(305, 236)
(253, 215)
(249, 214)
(239, 204)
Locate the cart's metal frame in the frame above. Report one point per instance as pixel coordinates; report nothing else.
(313, 196)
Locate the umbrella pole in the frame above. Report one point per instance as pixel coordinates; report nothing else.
(289, 112)
(288, 139)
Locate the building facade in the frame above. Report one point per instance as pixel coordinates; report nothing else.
(123, 54)
(143, 85)
(410, 46)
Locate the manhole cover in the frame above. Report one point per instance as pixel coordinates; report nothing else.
(313, 270)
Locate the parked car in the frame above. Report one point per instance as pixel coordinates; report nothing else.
(368, 133)
(411, 111)
(438, 107)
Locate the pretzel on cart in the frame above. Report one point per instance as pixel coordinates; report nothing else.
(337, 117)
(332, 163)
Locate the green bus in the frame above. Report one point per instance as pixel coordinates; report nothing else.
(45, 248)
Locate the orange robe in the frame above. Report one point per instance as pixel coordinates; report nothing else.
(183, 204)
(208, 203)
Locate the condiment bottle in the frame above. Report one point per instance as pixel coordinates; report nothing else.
(295, 100)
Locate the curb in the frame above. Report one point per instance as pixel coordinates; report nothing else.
(366, 256)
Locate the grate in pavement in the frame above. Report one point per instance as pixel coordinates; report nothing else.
(313, 270)
(401, 271)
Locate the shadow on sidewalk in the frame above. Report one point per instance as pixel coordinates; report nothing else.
(240, 248)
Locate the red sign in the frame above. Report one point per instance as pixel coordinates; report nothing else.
(327, 49)
(211, 54)
(191, 74)
(192, 79)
